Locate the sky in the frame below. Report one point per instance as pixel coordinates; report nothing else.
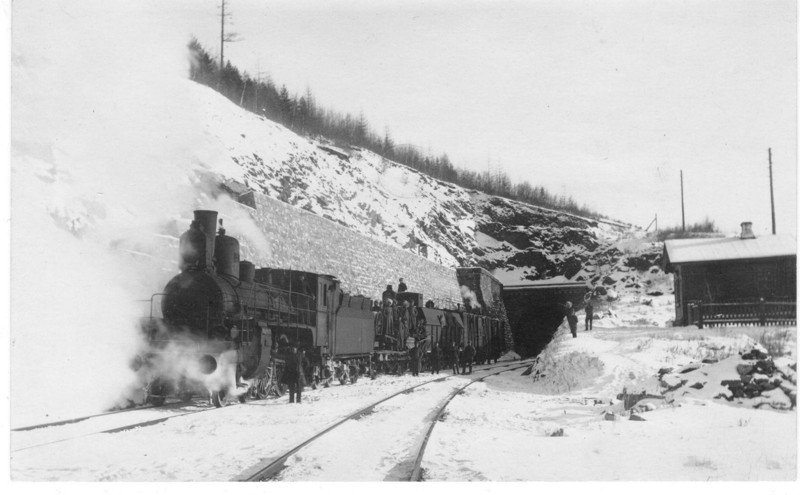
(603, 101)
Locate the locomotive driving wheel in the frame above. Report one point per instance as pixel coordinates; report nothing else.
(218, 398)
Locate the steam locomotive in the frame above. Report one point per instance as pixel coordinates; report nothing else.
(224, 325)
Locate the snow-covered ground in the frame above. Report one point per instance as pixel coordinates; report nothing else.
(558, 426)
(511, 427)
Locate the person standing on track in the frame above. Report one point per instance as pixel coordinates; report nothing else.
(469, 357)
(452, 356)
(436, 357)
(294, 374)
(413, 355)
(572, 318)
(589, 314)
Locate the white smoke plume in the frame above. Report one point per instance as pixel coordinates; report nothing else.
(469, 297)
(107, 152)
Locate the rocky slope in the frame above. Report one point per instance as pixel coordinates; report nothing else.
(388, 201)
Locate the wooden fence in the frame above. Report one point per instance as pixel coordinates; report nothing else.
(760, 313)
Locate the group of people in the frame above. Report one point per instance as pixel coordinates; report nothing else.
(449, 356)
(389, 296)
(452, 356)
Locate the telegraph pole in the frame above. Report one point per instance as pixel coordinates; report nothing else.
(683, 214)
(222, 38)
(771, 193)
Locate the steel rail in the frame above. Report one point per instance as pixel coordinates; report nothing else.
(99, 415)
(264, 472)
(118, 429)
(416, 473)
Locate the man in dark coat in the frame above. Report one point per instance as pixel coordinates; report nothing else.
(494, 353)
(452, 356)
(480, 355)
(572, 319)
(436, 358)
(413, 355)
(402, 287)
(589, 314)
(389, 295)
(294, 375)
(469, 356)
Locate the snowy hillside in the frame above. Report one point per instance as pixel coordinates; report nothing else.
(394, 203)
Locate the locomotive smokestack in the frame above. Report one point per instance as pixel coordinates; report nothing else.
(193, 248)
(208, 221)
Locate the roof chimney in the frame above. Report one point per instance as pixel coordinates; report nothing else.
(747, 231)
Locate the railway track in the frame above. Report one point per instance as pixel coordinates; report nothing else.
(103, 424)
(271, 469)
(86, 418)
(416, 473)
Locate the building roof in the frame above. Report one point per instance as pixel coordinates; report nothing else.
(728, 248)
(551, 283)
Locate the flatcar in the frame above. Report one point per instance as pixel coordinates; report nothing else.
(224, 325)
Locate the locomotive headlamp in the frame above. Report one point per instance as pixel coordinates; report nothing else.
(207, 364)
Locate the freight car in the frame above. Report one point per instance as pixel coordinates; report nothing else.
(224, 324)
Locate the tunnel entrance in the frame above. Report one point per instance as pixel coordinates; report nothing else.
(535, 311)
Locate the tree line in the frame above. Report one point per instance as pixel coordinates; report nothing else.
(304, 115)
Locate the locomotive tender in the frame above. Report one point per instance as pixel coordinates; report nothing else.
(220, 311)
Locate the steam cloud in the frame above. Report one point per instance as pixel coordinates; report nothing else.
(469, 296)
(108, 150)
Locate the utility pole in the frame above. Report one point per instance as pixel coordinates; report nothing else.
(223, 38)
(683, 213)
(256, 108)
(771, 193)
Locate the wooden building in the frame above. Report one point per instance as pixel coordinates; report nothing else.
(730, 273)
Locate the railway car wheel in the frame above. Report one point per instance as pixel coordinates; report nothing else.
(218, 398)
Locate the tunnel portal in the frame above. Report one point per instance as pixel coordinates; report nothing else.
(535, 310)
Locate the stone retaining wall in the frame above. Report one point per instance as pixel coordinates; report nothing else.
(301, 240)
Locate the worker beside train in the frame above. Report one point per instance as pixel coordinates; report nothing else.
(294, 375)
(468, 356)
(389, 296)
(436, 359)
